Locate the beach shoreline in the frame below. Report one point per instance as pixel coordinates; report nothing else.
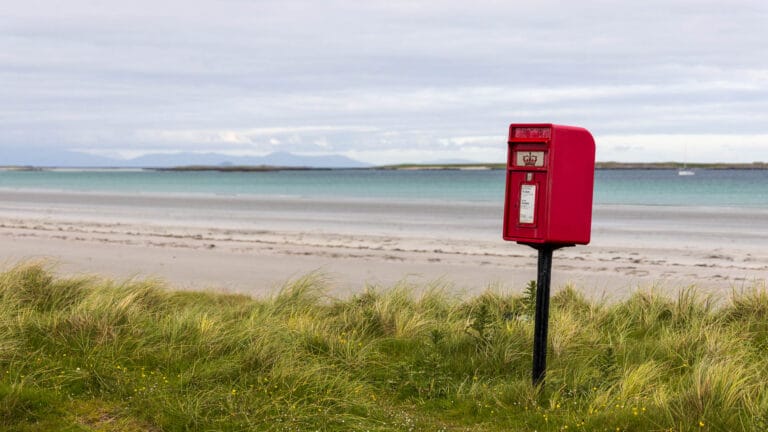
(253, 245)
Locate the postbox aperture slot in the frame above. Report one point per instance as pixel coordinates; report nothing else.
(530, 132)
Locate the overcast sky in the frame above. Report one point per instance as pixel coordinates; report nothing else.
(385, 81)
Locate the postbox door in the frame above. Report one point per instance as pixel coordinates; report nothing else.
(526, 206)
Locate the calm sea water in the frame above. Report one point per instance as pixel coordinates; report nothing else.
(747, 188)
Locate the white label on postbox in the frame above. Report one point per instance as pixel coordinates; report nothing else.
(527, 203)
(529, 158)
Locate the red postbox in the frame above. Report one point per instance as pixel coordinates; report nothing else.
(550, 177)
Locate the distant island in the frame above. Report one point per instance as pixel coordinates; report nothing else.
(678, 165)
(412, 167)
(598, 165)
(472, 167)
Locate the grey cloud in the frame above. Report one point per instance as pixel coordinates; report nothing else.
(413, 74)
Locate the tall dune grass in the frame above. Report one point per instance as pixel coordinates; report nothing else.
(89, 354)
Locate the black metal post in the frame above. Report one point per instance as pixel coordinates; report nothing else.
(541, 323)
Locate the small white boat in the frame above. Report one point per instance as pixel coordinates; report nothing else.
(684, 171)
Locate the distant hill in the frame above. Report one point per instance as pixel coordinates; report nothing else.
(282, 159)
(66, 159)
(39, 157)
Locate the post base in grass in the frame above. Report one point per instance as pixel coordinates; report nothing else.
(541, 319)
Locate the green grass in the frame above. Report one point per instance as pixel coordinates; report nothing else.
(95, 355)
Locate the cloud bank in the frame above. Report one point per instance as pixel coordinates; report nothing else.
(385, 82)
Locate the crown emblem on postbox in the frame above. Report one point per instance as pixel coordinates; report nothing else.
(530, 159)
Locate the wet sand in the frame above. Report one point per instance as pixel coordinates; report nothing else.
(255, 244)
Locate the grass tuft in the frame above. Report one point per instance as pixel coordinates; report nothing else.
(90, 354)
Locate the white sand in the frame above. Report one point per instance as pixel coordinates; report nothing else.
(253, 245)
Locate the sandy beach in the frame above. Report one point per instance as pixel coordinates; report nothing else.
(254, 244)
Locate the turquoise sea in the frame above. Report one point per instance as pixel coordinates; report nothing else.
(720, 188)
